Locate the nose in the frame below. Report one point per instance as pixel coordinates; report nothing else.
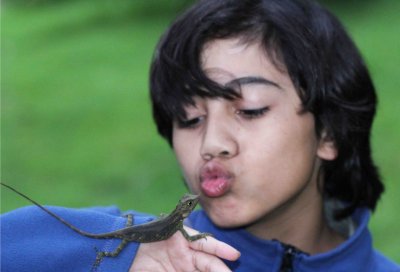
(219, 140)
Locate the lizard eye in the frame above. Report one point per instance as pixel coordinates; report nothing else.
(190, 203)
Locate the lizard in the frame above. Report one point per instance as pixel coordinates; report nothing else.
(157, 230)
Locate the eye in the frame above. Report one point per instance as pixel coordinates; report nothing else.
(252, 113)
(190, 123)
(189, 203)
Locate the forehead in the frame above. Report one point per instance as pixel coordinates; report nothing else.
(189, 197)
(226, 59)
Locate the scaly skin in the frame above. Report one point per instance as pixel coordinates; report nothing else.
(156, 230)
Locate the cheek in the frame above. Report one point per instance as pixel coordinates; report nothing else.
(183, 150)
(179, 143)
(285, 153)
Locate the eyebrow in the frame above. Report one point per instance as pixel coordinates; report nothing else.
(249, 80)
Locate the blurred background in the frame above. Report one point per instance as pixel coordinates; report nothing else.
(76, 122)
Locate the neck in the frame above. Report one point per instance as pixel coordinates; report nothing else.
(175, 215)
(300, 223)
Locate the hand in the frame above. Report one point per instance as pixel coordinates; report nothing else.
(177, 254)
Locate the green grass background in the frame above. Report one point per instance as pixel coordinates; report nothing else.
(76, 122)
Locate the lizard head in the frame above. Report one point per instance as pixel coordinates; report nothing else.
(186, 204)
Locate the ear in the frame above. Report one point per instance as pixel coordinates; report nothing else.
(327, 148)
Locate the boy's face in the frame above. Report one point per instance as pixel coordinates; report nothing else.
(256, 157)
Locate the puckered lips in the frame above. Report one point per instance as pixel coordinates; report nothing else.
(215, 180)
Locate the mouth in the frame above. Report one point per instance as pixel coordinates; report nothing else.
(215, 180)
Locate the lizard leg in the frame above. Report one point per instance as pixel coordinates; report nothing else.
(130, 219)
(101, 254)
(195, 237)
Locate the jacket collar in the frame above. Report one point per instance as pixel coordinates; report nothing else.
(352, 255)
(349, 256)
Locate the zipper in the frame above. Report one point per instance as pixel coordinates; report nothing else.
(289, 254)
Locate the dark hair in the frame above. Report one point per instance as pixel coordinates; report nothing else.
(326, 68)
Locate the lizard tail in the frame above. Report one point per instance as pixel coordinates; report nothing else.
(87, 234)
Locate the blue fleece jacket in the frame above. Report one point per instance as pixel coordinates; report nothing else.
(31, 240)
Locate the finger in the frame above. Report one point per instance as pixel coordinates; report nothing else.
(214, 247)
(208, 263)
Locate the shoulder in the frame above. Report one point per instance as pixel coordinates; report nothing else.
(32, 215)
(382, 263)
(35, 212)
(31, 236)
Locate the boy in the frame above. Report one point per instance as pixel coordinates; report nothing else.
(268, 107)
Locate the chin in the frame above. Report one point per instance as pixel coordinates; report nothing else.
(226, 220)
